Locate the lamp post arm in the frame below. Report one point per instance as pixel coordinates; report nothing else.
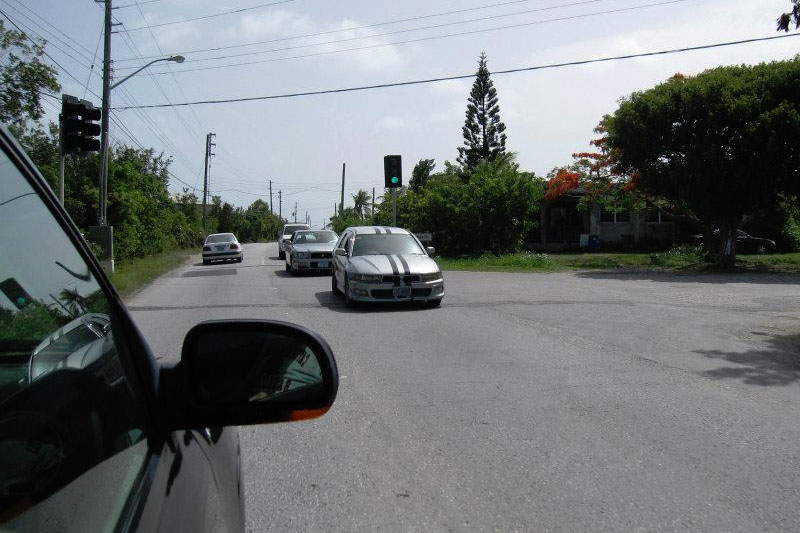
(138, 71)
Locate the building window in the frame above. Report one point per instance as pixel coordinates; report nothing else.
(622, 216)
(652, 216)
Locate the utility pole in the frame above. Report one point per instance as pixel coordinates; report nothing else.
(373, 205)
(341, 203)
(280, 206)
(306, 217)
(209, 144)
(294, 213)
(101, 218)
(271, 212)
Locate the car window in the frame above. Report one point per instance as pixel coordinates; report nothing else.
(66, 405)
(223, 237)
(373, 244)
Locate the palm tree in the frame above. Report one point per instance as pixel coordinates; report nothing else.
(361, 202)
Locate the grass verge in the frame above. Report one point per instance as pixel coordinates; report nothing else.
(680, 258)
(133, 274)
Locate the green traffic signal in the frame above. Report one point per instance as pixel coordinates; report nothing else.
(395, 179)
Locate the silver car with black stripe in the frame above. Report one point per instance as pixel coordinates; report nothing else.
(385, 264)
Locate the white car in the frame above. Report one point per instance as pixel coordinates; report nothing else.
(382, 264)
(310, 251)
(222, 247)
(285, 235)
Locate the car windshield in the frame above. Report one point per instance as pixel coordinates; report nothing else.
(289, 230)
(383, 244)
(221, 237)
(309, 237)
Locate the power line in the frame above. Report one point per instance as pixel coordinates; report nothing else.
(40, 17)
(329, 32)
(65, 71)
(136, 3)
(432, 38)
(214, 15)
(466, 76)
(396, 32)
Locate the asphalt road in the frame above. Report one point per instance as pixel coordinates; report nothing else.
(546, 402)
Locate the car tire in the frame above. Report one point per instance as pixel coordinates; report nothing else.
(281, 254)
(287, 267)
(206, 262)
(334, 288)
(240, 259)
(434, 303)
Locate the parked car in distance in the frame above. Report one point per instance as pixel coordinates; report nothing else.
(285, 235)
(310, 251)
(746, 243)
(383, 264)
(222, 247)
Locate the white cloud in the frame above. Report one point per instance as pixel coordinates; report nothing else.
(398, 123)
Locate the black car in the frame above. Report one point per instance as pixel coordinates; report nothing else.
(746, 243)
(96, 435)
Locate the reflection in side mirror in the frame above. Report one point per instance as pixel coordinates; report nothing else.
(341, 252)
(239, 372)
(431, 250)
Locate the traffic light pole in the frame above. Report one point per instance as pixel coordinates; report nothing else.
(394, 206)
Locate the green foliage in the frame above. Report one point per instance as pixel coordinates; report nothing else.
(421, 173)
(683, 254)
(23, 79)
(484, 133)
(347, 218)
(717, 146)
(361, 202)
(490, 208)
(791, 17)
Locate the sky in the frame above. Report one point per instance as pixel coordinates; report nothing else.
(310, 45)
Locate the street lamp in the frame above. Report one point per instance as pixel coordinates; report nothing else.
(175, 59)
(104, 231)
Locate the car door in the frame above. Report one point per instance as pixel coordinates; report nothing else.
(82, 442)
(339, 261)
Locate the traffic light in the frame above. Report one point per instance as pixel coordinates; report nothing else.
(79, 129)
(392, 171)
(14, 292)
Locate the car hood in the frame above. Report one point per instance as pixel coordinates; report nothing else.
(393, 264)
(314, 247)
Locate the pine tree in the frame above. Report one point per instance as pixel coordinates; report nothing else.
(484, 133)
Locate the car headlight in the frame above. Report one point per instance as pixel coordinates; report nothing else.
(302, 255)
(366, 277)
(431, 277)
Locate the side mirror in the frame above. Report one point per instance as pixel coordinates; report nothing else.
(341, 252)
(431, 250)
(240, 372)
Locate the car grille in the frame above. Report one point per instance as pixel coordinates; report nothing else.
(321, 255)
(388, 294)
(396, 279)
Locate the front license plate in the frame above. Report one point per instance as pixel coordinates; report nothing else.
(322, 264)
(402, 292)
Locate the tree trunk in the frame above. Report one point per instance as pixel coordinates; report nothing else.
(726, 257)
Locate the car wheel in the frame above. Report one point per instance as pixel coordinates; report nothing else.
(334, 288)
(206, 262)
(281, 254)
(239, 260)
(287, 267)
(434, 303)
